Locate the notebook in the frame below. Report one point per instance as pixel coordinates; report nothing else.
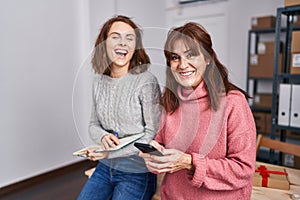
(123, 142)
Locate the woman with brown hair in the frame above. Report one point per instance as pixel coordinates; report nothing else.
(207, 133)
(125, 101)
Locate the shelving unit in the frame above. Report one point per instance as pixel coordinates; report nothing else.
(280, 35)
(254, 37)
(285, 76)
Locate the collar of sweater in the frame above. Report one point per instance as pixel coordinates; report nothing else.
(198, 93)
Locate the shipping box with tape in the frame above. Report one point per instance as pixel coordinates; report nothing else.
(271, 177)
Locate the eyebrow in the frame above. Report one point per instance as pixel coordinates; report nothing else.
(187, 51)
(129, 34)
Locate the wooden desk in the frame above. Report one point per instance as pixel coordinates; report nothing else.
(263, 193)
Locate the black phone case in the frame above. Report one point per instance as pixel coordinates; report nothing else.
(147, 148)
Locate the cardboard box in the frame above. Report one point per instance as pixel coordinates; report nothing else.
(268, 122)
(263, 22)
(291, 2)
(260, 121)
(268, 47)
(271, 177)
(292, 135)
(263, 100)
(296, 21)
(295, 41)
(261, 65)
(263, 122)
(295, 63)
(291, 161)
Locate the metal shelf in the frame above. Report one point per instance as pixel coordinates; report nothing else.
(284, 77)
(260, 109)
(290, 128)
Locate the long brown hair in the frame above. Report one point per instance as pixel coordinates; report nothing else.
(216, 75)
(100, 60)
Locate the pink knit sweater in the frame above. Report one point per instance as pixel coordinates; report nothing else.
(222, 145)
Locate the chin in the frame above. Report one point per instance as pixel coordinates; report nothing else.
(187, 86)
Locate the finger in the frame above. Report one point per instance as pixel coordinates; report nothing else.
(105, 144)
(158, 171)
(90, 151)
(98, 156)
(93, 149)
(114, 139)
(110, 143)
(156, 145)
(144, 155)
(111, 140)
(159, 165)
(170, 151)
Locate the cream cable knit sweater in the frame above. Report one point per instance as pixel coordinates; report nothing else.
(128, 105)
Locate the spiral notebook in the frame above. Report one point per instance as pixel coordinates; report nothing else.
(123, 142)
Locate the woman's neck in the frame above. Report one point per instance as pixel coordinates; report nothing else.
(117, 72)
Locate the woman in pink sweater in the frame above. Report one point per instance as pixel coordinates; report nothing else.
(207, 133)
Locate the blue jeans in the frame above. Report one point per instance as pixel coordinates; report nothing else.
(107, 183)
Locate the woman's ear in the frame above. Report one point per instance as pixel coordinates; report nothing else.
(207, 62)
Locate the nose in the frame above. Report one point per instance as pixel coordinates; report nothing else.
(122, 42)
(183, 63)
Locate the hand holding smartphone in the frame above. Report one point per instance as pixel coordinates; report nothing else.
(147, 148)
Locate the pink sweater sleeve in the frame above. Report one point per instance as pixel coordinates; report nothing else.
(159, 136)
(236, 169)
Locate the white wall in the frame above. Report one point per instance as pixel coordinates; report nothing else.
(40, 51)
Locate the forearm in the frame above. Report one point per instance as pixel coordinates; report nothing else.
(96, 133)
(233, 171)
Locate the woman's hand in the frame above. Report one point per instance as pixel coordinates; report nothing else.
(172, 161)
(109, 140)
(94, 156)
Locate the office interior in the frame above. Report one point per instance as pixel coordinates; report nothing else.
(45, 73)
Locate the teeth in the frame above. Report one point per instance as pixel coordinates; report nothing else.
(121, 51)
(186, 73)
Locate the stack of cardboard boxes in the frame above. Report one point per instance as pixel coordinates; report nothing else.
(295, 53)
(295, 50)
(262, 63)
(263, 122)
(290, 160)
(261, 66)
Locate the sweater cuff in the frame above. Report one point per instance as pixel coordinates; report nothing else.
(200, 169)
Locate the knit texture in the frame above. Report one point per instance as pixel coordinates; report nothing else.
(222, 145)
(128, 105)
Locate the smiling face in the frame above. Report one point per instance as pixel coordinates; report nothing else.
(120, 46)
(187, 66)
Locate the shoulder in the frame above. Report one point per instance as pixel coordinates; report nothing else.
(236, 95)
(236, 100)
(97, 77)
(100, 81)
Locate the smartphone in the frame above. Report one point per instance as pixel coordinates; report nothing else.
(147, 148)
